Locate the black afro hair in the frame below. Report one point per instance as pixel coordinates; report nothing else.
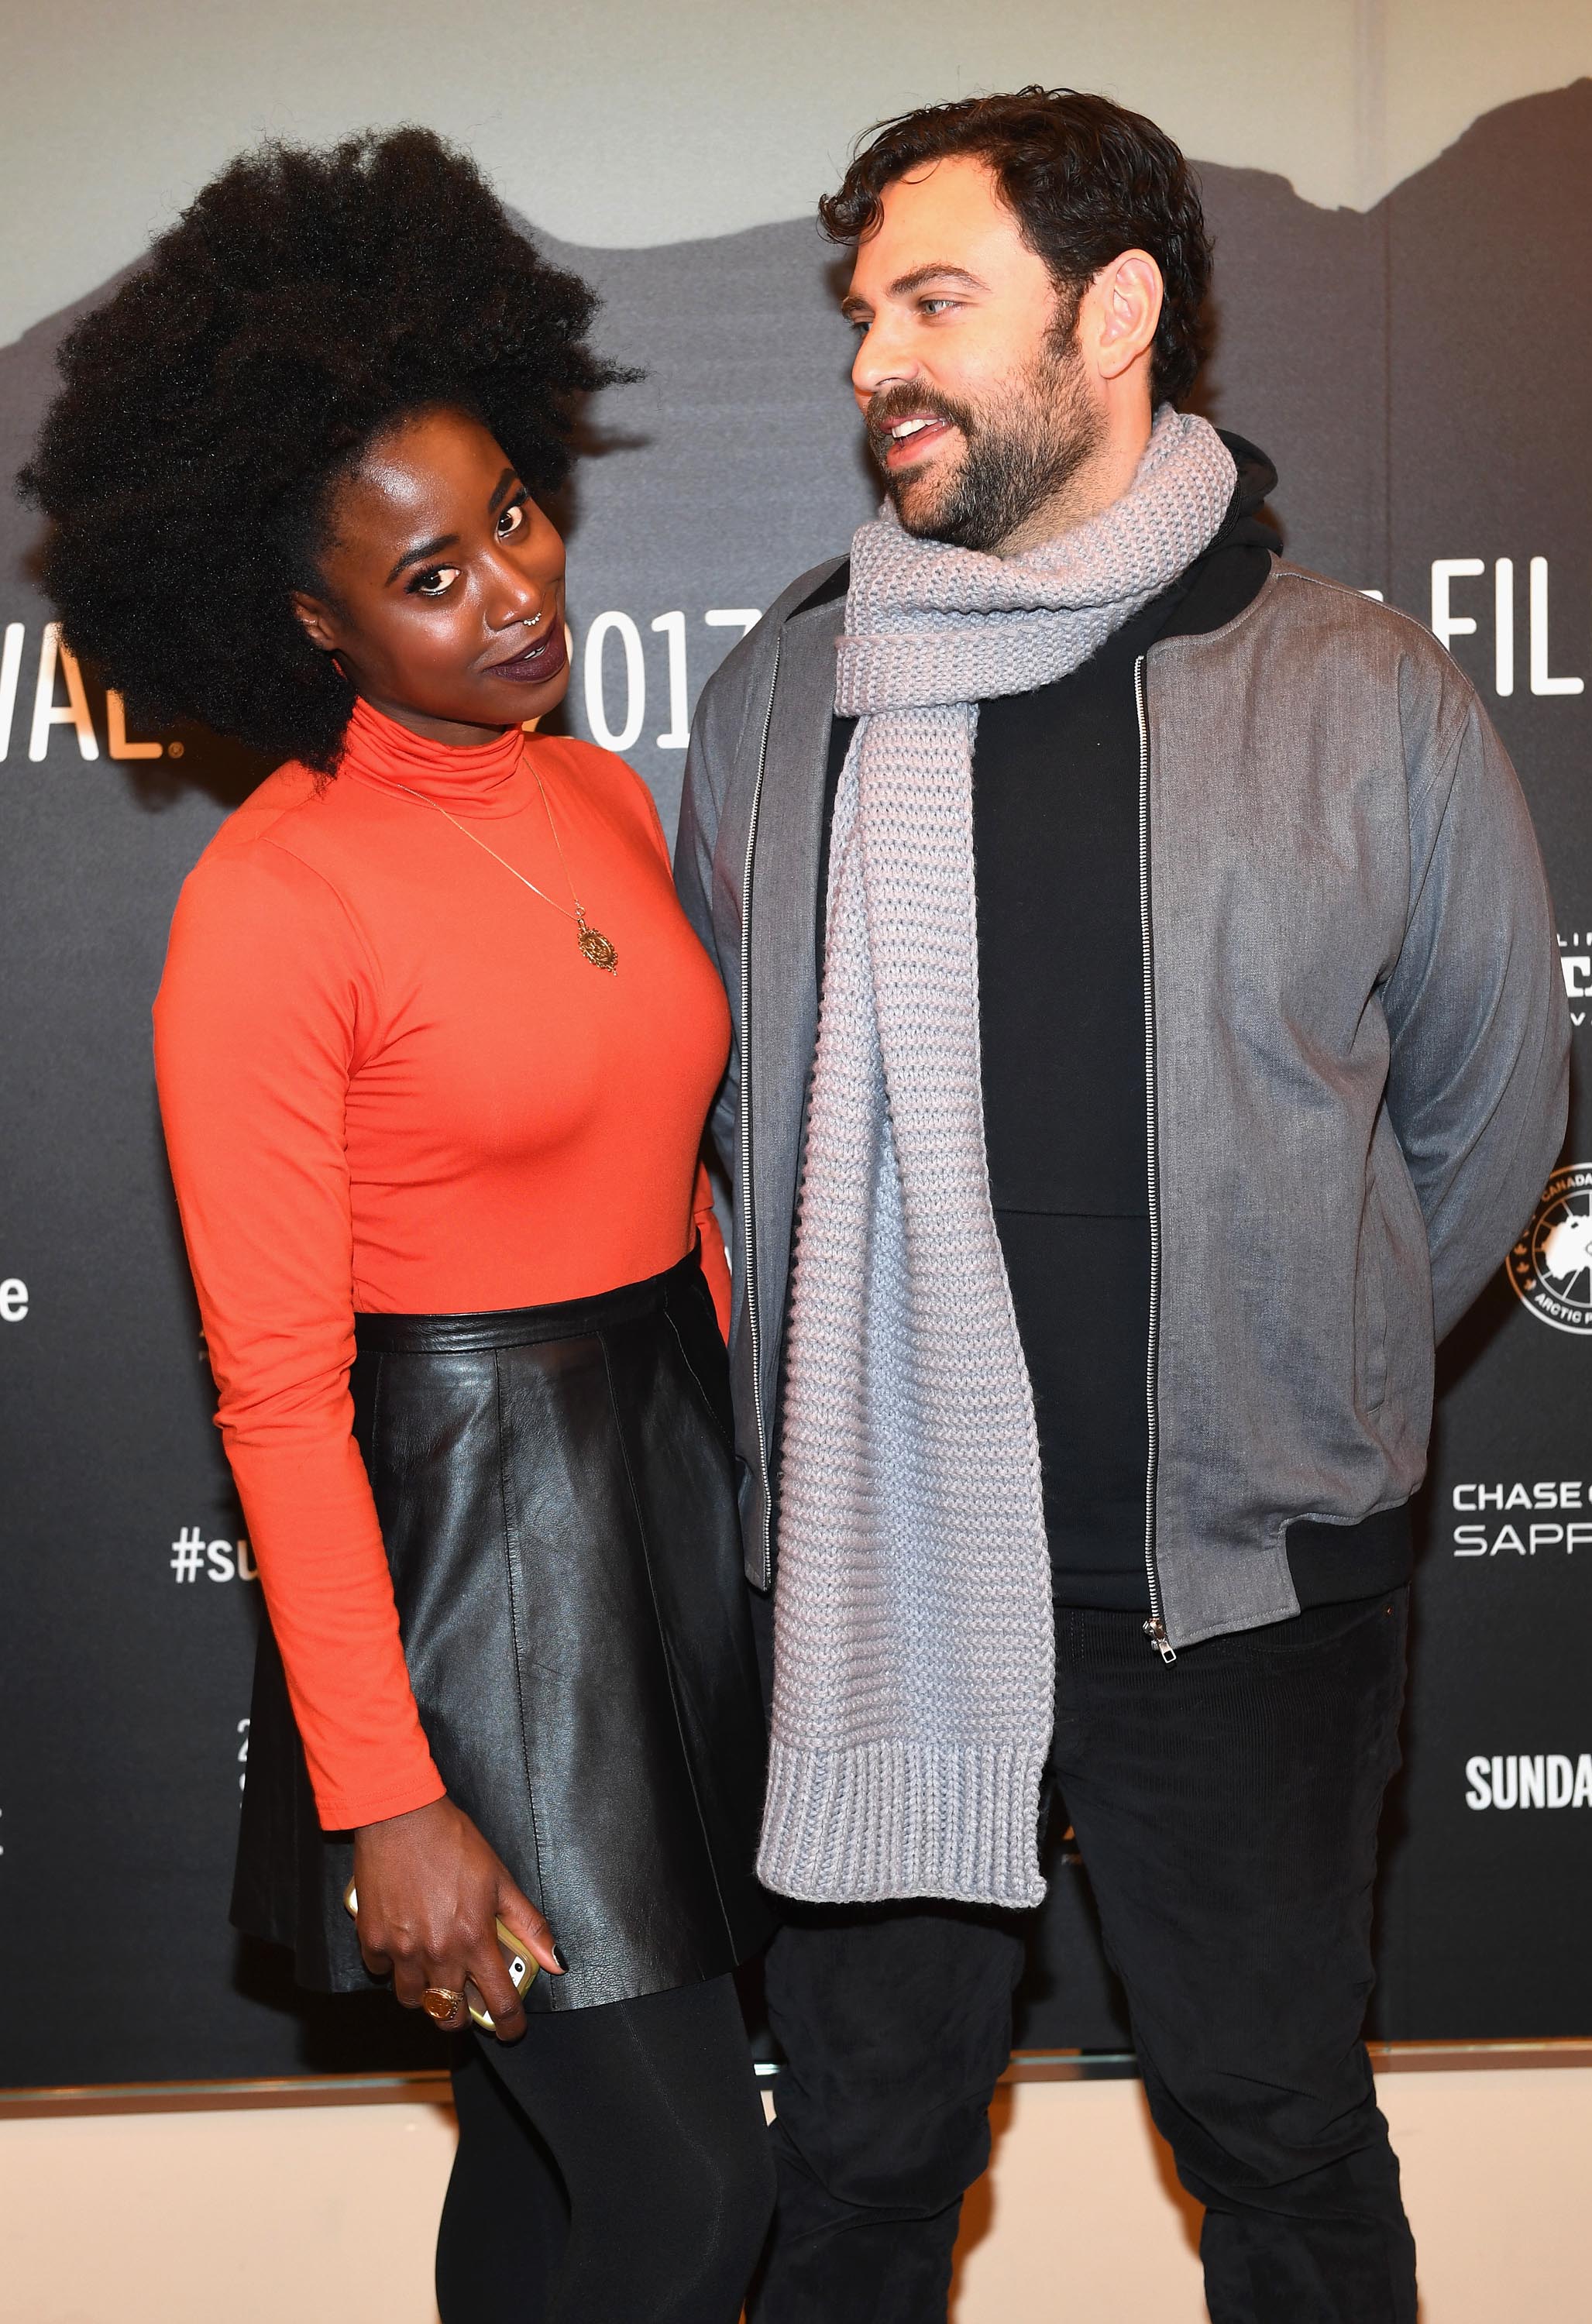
(303, 304)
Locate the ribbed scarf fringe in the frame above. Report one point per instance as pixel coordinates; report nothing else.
(905, 1820)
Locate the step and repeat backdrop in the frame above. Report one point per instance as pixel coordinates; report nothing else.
(1419, 373)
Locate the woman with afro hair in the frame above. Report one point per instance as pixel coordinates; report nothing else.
(435, 1047)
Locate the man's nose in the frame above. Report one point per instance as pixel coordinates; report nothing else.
(882, 360)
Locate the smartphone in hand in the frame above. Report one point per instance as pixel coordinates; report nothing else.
(521, 1968)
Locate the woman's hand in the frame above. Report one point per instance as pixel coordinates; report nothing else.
(429, 1890)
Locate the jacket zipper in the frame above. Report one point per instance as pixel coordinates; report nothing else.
(1155, 1627)
(748, 1223)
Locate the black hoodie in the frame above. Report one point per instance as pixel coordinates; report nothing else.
(1062, 1011)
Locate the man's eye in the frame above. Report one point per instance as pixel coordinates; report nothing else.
(435, 582)
(512, 519)
(935, 306)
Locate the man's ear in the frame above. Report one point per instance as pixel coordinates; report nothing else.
(316, 619)
(1127, 297)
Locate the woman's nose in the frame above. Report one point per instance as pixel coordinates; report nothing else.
(515, 597)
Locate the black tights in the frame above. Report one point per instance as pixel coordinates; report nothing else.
(612, 2168)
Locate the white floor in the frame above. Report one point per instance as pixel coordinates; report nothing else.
(325, 2213)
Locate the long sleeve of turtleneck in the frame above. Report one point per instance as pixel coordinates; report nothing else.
(391, 1083)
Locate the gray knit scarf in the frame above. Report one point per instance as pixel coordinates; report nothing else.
(914, 1653)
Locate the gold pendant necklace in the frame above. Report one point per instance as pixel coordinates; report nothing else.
(594, 946)
(592, 943)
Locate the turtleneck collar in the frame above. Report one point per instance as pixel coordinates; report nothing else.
(479, 778)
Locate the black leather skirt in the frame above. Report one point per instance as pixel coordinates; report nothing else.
(556, 1495)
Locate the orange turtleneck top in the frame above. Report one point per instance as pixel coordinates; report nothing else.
(391, 1083)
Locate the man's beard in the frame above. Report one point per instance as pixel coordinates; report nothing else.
(1018, 457)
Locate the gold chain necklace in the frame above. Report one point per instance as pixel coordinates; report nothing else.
(593, 944)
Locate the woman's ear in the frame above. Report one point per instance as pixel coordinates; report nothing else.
(317, 621)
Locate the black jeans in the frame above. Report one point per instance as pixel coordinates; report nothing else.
(1226, 1806)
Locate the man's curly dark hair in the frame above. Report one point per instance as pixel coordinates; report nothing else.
(1085, 179)
(305, 302)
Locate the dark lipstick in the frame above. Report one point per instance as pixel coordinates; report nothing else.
(536, 664)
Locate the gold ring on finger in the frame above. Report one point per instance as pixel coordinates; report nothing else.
(441, 2004)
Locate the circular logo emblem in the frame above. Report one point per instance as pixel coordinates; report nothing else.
(1550, 1267)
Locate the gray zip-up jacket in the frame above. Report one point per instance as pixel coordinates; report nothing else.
(1356, 1041)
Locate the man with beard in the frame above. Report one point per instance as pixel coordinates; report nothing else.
(1148, 1041)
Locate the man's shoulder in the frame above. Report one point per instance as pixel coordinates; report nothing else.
(1333, 615)
(1308, 637)
(1338, 655)
(742, 683)
(824, 585)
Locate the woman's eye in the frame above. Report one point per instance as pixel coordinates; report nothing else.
(512, 519)
(435, 581)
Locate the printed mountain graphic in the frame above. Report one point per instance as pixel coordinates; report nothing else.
(1372, 355)
(1417, 376)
